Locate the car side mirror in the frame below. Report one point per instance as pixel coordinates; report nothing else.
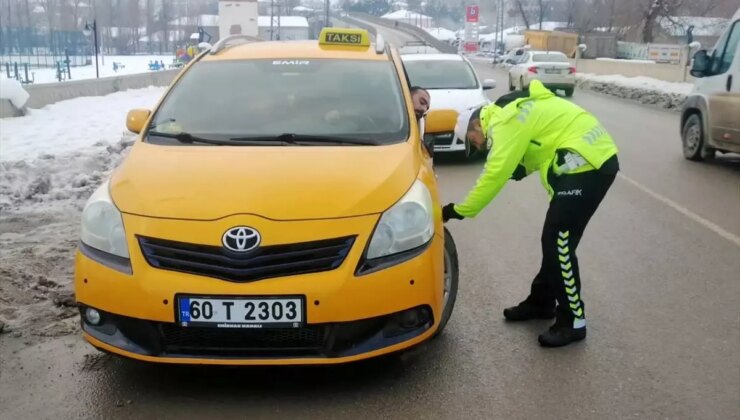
(437, 123)
(489, 84)
(136, 119)
(702, 64)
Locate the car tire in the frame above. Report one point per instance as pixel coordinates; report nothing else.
(451, 277)
(692, 137)
(569, 92)
(511, 85)
(521, 83)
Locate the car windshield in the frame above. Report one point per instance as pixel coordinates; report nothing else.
(549, 58)
(441, 74)
(260, 100)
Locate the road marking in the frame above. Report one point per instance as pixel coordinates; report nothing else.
(686, 212)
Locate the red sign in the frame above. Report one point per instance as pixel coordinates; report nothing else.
(471, 47)
(471, 13)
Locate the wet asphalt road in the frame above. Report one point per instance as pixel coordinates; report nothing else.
(661, 281)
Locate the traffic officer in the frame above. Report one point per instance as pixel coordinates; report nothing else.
(534, 130)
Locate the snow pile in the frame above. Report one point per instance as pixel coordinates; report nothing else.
(13, 91)
(58, 155)
(72, 125)
(52, 182)
(646, 90)
(50, 163)
(442, 34)
(626, 60)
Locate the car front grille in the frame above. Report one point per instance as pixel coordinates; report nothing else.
(440, 139)
(265, 262)
(307, 340)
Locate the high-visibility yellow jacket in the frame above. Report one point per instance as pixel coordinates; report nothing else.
(529, 132)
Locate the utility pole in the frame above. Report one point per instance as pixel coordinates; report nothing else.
(94, 30)
(327, 13)
(272, 16)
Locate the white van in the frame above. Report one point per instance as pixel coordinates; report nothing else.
(710, 120)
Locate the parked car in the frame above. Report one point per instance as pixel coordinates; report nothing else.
(552, 68)
(453, 84)
(710, 119)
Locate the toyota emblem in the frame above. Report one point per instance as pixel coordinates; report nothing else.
(241, 239)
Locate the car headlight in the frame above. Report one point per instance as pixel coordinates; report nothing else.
(407, 225)
(102, 224)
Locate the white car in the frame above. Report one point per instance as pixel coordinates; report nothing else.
(552, 68)
(453, 84)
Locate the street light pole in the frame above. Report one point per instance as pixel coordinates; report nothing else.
(94, 30)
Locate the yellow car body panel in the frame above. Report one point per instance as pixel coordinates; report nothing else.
(154, 181)
(342, 296)
(291, 195)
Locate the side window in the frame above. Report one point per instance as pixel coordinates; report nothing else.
(724, 53)
(730, 49)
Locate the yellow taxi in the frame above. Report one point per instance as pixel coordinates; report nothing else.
(278, 207)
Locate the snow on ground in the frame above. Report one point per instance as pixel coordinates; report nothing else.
(627, 60)
(132, 64)
(639, 82)
(13, 91)
(645, 90)
(72, 125)
(51, 161)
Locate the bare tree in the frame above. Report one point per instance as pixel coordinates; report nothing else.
(522, 12)
(541, 10)
(612, 7)
(50, 11)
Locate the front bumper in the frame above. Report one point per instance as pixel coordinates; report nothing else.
(445, 142)
(139, 308)
(310, 344)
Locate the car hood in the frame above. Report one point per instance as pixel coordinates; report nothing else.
(457, 99)
(279, 183)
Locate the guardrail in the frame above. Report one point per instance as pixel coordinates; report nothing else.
(410, 29)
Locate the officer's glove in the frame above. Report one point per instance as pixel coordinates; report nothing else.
(519, 173)
(448, 212)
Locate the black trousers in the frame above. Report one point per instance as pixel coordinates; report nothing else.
(576, 199)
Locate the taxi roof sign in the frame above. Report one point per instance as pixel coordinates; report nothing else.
(345, 37)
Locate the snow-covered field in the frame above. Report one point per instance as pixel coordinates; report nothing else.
(50, 163)
(132, 64)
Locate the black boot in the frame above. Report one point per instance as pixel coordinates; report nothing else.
(526, 311)
(559, 335)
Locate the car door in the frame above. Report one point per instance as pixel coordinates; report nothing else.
(722, 89)
(519, 68)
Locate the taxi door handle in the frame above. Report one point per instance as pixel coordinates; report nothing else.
(729, 82)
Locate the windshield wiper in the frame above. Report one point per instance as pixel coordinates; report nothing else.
(298, 139)
(189, 138)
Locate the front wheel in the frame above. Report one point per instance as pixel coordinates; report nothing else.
(569, 92)
(451, 276)
(694, 143)
(511, 85)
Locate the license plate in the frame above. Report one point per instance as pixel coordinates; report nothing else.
(240, 312)
(552, 71)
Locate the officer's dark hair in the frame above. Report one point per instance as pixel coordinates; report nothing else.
(511, 97)
(415, 89)
(475, 116)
